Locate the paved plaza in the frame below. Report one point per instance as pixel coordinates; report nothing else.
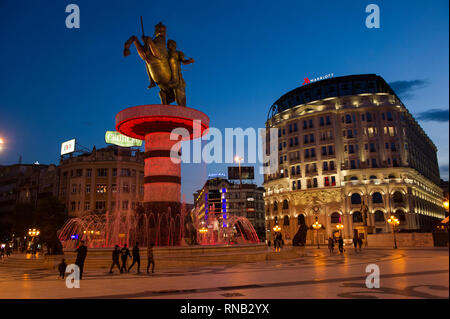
(405, 273)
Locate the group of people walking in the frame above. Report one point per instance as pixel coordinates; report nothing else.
(117, 254)
(357, 243)
(5, 252)
(278, 242)
(124, 253)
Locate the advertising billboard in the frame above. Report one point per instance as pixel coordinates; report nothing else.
(113, 137)
(247, 172)
(68, 147)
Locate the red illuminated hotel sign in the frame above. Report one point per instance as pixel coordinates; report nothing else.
(324, 77)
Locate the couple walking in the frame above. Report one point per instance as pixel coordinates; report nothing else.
(124, 253)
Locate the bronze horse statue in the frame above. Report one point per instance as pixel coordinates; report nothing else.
(162, 64)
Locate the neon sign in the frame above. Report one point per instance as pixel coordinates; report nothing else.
(113, 137)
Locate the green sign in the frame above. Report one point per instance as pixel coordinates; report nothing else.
(113, 137)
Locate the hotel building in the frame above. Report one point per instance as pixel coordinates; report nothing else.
(346, 142)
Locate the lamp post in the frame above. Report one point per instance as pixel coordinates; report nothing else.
(33, 233)
(340, 227)
(1, 143)
(317, 226)
(239, 159)
(394, 222)
(445, 204)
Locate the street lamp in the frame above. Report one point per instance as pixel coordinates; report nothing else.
(276, 228)
(1, 143)
(239, 159)
(340, 227)
(445, 203)
(317, 226)
(33, 232)
(394, 222)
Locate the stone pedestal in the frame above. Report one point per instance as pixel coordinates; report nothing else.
(162, 173)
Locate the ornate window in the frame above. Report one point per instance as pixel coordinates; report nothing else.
(286, 220)
(377, 198)
(379, 216)
(285, 204)
(335, 218)
(398, 197)
(356, 199)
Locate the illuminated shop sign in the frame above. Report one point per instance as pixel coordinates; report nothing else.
(68, 147)
(320, 78)
(217, 175)
(113, 137)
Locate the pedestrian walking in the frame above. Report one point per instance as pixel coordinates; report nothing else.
(360, 243)
(81, 257)
(150, 258)
(125, 255)
(62, 268)
(136, 258)
(355, 243)
(115, 258)
(331, 245)
(341, 245)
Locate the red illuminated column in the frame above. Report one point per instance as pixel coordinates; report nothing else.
(162, 180)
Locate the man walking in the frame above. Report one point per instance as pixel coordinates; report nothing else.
(150, 259)
(330, 245)
(125, 254)
(341, 245)
(115, 258)
(81, 257)
(136, 258)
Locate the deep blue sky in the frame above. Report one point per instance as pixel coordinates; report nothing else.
(58, 83)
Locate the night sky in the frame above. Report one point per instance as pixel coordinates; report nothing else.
(57, 83)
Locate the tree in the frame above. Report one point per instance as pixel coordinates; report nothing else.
(49, 218)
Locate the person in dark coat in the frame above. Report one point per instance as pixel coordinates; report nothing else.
(125, 255)
(150, 258)
(81, 257)
(355, 243)
(115, 258)
(360, 242)
(341, 245)
(330, 245)
(136, 258)
(62, 268)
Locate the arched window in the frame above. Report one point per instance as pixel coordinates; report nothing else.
(391, 176)
(285, 204)
(398, 197)
(335, 218)
(400, 215)
(276, 220)
(275, 206)
(377, 198)
(379, 216)
(286, 220)
(354, 178)
(356, 199)
(373, 177)
(357, 217)
(301, 219)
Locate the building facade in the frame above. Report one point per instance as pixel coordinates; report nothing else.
(24, 184)
(346, 144)
(222, 197)
(107, 179)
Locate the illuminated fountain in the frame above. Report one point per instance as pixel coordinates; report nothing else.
(109, 229)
